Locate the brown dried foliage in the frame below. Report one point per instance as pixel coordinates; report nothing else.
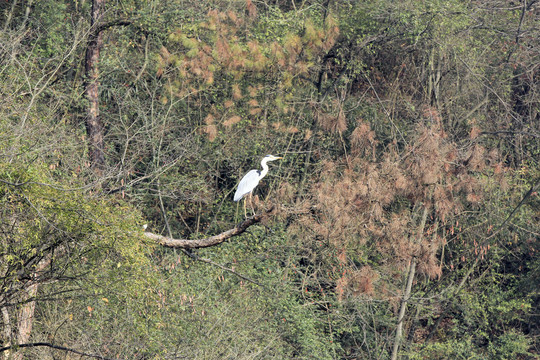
(227, 56)
(332, 123)
(241, 54)
(363, 280)
(235, 119)
(251, 8)
(362, 138)
(377, 205)
(210, 129)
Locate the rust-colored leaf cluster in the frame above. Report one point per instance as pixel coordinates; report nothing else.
(249, 74)
(366, 207)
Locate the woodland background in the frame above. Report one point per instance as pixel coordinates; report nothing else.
(405, 214)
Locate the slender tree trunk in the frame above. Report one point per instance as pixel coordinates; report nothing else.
(94, 127)
(7, 332)
(25, 319)
(405, 299)
(10, 15)
(411, 272)
(25, 315)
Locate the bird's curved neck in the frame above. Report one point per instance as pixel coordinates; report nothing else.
(265, 168)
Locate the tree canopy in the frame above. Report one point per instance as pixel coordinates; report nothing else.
(402, 222)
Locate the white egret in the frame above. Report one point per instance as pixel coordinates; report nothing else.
(250, 181)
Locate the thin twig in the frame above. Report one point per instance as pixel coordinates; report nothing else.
(208, 261)
(477, 260)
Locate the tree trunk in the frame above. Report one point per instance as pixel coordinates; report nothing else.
(94, 127)
(25, 319)
(7, 332)
(405, 299)
(25, 315)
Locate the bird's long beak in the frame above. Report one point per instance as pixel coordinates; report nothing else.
(278, 157)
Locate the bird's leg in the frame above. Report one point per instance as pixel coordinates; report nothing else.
(251, 203)
(245, 213)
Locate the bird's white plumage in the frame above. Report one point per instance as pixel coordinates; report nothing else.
(250, 181)
(247, 184)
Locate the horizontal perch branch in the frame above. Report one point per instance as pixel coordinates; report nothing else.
(209, 241)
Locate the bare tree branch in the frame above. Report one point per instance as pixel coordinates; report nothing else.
(94, 126)
(509, 132)
(477, 260)
(232, 271)
(209, 241)
(58, 347)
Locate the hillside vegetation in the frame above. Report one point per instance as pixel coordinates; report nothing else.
(403, 221)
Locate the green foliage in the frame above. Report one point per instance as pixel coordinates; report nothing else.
(52, 19)
(509, 345)
(381, 109)
(455, 349)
